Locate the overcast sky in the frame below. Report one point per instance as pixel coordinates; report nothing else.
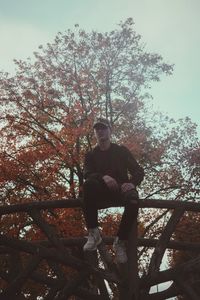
(168, 27)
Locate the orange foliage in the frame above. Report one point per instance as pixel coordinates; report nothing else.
(47, 111)
(187, 231)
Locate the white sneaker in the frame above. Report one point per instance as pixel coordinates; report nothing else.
(94, 239)
(119, 248)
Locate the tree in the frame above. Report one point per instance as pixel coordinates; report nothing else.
(188, 231)
(47, 112)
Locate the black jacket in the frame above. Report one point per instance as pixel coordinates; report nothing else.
(122, 165)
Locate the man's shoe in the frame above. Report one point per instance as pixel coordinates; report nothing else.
(119, 248)
(94, 239)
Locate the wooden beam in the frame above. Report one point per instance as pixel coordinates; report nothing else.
(73, 203)
(186, 288)
(133, 263)
(163, 241)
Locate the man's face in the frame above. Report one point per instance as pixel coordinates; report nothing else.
(102, 133)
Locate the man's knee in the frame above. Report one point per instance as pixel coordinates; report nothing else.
(90, 182)
(131, 198)
(90, 186)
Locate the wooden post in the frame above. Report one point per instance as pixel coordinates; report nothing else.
(186, 289)
(98, 283)
(133, 263)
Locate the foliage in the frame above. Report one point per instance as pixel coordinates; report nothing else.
(49, 105)
(187, 231)
(47, 112)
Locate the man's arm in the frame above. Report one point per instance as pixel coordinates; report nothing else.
(89, 168)
(136, 171)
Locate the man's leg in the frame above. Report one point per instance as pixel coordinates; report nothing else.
(93, 193)
(130, 200)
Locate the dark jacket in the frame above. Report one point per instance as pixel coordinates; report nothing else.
(123, 166)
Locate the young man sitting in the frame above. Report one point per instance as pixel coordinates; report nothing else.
(111, 174)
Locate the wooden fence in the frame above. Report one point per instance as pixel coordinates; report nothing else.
(95, 274)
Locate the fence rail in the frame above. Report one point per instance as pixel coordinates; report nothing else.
(89, 276)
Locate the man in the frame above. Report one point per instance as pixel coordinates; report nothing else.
(111, 174)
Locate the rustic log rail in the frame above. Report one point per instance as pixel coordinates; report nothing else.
(56, 253)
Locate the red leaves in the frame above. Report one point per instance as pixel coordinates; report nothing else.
(49, 106)
(187, 231)
(110, 224)
(194, 156)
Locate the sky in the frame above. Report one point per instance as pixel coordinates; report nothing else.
(170, 28)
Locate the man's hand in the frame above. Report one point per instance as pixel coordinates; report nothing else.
(131, 196)
(127, 186)
(111, 182)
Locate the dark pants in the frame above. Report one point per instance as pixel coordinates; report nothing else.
(96, 195)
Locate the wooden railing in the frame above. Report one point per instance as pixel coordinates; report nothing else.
(95, 276)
